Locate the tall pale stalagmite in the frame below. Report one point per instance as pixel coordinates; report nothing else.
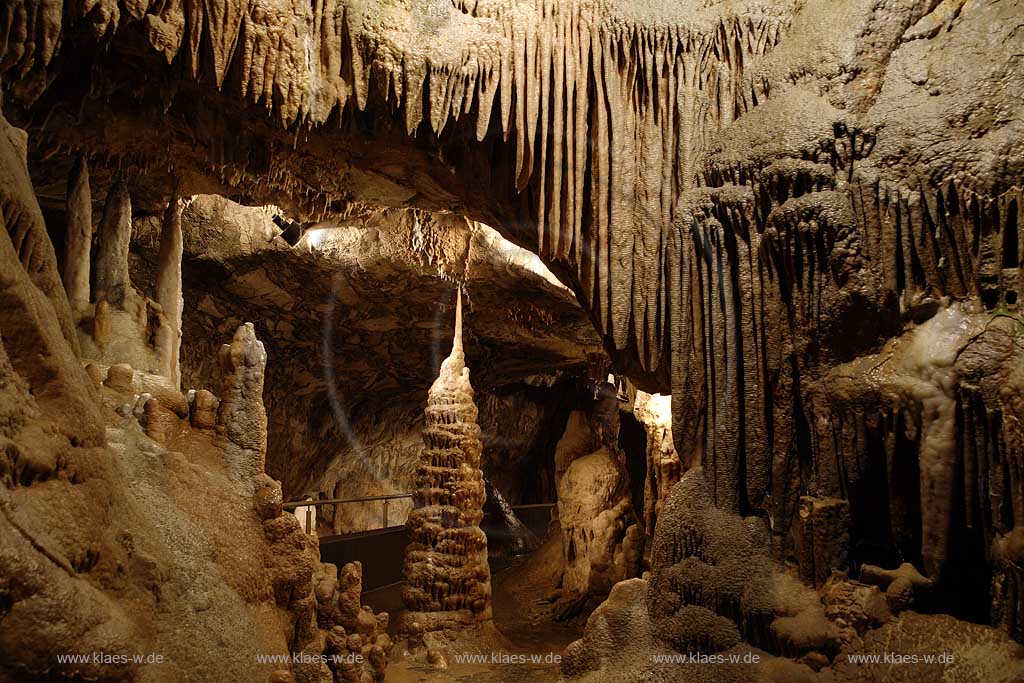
(447, 580)
(242, 421)
(78, 241)
(168, 289)
(115, 234)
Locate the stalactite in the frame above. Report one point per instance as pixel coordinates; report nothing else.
(78, 238)
(446, 571)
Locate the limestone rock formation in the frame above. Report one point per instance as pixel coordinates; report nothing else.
(900, 584)
(713, 583)
(601, 540)
(78, 238)
(242, 420)
(577, 440)
(168, 291)
(102, 540)
(1008, 584)
(664, 466)
(715, 592)
(506, 534)
(801, 219)
(447, 578)
(822, 542)
(618, 623)
(116, 323)
(973, 652)
(621, 643)
(342, 640)
(351, 321)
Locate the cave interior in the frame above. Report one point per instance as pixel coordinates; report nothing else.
(485, 341)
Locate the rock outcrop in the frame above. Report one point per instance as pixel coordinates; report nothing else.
(601, 540)
(713, 584)
(331, 635)
(351, 322)
(738, 193)
(125, 527)
(664, 466)
(716, 607)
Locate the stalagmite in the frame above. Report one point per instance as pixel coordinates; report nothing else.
(823, 538)
(102, 325)
(168, 289)
(447, 577)
(78, 240)
(242, 420)
(115, 232)
(203, 410)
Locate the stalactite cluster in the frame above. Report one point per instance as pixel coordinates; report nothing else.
(606, 108)
(446, 572)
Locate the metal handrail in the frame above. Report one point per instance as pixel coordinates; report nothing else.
(367, 499)
(331, 501)
(336, 501)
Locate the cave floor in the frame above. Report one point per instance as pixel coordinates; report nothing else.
(523, 619)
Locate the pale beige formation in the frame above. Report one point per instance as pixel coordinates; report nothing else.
(242, 420)
(602, 542)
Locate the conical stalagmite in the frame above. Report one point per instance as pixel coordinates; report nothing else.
(168, 289)
(446, 573)
(242, 420)
(115, 234)
(78, 241)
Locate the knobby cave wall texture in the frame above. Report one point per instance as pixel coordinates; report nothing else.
(801, 219)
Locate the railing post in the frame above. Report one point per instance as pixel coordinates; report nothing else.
(309, 519)
(386, 501)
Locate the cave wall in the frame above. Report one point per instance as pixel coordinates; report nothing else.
(353, 318)
(520, 428)
(129, 528)
(520, 425)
